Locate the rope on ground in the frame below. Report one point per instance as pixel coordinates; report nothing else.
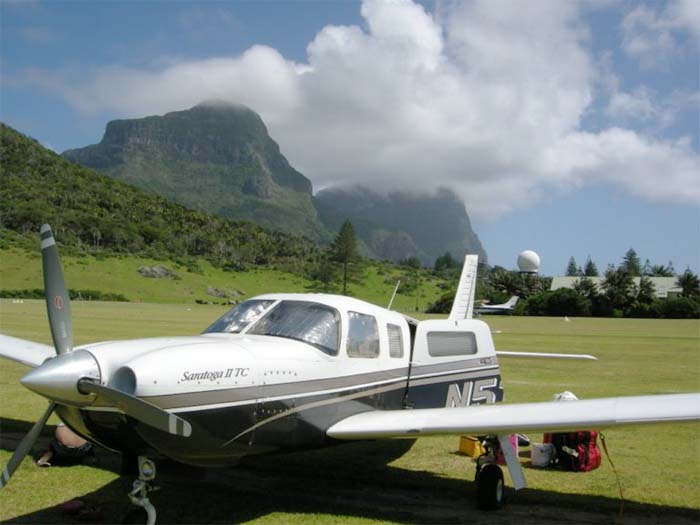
(617, 477)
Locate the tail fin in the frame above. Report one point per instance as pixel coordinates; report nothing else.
(463, 305)
(511, 302)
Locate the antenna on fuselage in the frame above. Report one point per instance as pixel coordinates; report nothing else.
(396, 289)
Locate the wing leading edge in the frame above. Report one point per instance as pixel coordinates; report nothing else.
(521, 417)
(26, 352)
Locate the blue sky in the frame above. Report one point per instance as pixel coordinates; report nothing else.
(569, 128)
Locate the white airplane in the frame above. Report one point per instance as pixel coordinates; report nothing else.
(497, 308)
(282, 372)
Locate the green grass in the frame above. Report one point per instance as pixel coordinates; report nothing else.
(659, 466)
(22, 270)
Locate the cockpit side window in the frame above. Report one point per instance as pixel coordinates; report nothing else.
(363, 335)
(312, 323)
(239, 317)
(395, 340)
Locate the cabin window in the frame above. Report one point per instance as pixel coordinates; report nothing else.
(395, 340)
(441, 344)
(239, 317)
(363, 335)
(312, 323)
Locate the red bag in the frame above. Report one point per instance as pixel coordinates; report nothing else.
(577, 451)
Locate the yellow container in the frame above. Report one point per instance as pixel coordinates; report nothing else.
(470, 446)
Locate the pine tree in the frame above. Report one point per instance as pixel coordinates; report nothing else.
(571, 268)
(344, 250)
(590, 270)
(631, 263)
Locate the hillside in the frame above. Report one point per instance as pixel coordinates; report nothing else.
(216, 157)
(92, 213)
(21, 270)
(402, 224)
(117, 239)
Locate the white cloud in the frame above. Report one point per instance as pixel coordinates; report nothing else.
(639, 105)
(487, 99)
(652, 36)
(655, 170)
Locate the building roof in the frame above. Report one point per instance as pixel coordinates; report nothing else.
(662, 285)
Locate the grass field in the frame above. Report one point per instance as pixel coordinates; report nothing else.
(659, 466)
(22, 270)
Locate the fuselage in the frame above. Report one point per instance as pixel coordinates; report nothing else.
(301, 363)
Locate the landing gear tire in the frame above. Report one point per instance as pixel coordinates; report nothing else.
(490, 489)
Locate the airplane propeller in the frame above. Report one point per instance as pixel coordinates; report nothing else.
(57, 299)
(66, 379)
(25, 446)
(138, 408)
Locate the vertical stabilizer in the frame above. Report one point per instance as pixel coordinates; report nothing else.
(463, 306)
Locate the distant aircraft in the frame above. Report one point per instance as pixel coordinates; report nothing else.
(284, 372)
(497, 308)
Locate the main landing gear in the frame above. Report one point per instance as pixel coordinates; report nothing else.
(145, 511)
(490, 488)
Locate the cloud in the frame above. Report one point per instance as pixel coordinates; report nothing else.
(640, 105)
(652, 36)
(481, 98)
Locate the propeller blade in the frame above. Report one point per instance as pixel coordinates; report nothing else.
(138, 408)
(57, 299)
(25, 446)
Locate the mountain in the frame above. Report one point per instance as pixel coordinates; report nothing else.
(215, 157)
(92, 213)
(402, 224)
(218, 158)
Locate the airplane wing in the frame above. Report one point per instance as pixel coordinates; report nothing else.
(26, 352)
(519, 417)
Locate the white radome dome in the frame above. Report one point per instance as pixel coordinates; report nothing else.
(528, 262)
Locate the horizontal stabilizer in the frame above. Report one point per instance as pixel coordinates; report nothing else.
(521, 417)
(26, 352)
(547, 355)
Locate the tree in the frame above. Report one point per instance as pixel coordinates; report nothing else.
(647, 291)
(445, 262)
(631, 263)
(410, 262)
(344, 250)
(571, 268)
(689, 284)
(647, 268)
(323, 275)
(586, 288)
(619, 288)
(659, 270)
(590, 270)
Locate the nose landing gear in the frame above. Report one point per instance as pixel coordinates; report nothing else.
(139, 494)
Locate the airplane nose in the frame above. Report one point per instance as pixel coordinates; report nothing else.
(57, 379)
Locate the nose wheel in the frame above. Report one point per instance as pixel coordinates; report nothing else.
(144, 512)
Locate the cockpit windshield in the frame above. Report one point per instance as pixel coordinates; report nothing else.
(239, 317)
(312, 323)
